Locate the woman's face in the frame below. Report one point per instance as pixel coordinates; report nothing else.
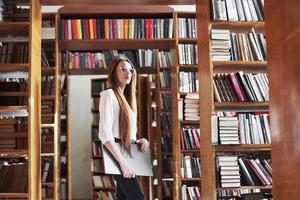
(124, 72)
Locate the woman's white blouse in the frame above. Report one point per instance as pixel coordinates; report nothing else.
(109, 110)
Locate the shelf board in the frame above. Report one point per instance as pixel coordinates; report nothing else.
(13, 94)
(17, 28)
(242, 106)
(51, 184)
(190, 150)
(242, 147)
(104, 188)
(188, 67)
(13, 153)
(190, 122)
(48, 97)
(246, 66)
(239, 25)
(100, 71)
(120, 2)
(14, 195)
(48, 70)
(14, 67)
(191, 179)
(120, 44)
(14, 135)
(47, 154)
(187, 40)
(248, 188)
(146, 70)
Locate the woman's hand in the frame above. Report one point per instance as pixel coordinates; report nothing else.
(144, 144)
(126, 171)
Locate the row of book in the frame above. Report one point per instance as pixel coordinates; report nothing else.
(236, 194)
(97, 165)
(13, 177)
(167, 167)
(104, 195)
(238, 10)
(14, 53)
(242, 128)
(11, 8)
(240, 87)
(190, 166)
(47, 170)
(94, 60)
(96, 149)
(103, 181)
(228, 46)
(166, 101)
(165, 79)
(190, 138)
(188, 107)
(187, 28)
(166, 121)
(73, 29)
(166, 143)
(48, 33)
(98, 85)
(188, 81)
(234, 171)
(187, 54)
(190, 192)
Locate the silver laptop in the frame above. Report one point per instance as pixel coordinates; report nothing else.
(139, 161)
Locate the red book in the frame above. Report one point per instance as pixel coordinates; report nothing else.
(93, 60)
(196, 138)
(95, 28)
(150, 26)
(87, 28)
(238, 90)
(74, 29)
(147, 28)
(256, 172)
(66, 29)
(115, 29)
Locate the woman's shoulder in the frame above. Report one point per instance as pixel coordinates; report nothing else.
(107, 93)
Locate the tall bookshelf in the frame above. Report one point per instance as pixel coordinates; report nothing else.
(26, 112)
(72, 46)
(208, 105)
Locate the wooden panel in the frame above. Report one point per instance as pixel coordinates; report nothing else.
(239, 26)
(34, 134)
(13, 67)
(15, 28)
(57, 119)
(282, 33)
(235, 66)
(208, 183)
(118, 2)
(115, 11)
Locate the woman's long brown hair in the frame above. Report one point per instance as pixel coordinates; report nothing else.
(127, 100)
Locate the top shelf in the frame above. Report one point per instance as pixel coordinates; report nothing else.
(239, 26)
(118, 2)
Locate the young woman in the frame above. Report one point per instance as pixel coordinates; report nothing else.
(118, 118)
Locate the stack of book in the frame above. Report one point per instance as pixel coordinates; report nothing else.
(191, 107)
(191, 192)
(229, 171)
(220, 39)
(229, 130)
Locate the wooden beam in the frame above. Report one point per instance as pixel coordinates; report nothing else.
(283, 41)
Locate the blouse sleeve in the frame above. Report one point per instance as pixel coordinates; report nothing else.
(106, 117)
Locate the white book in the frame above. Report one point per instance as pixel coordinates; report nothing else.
(97, 181)
(255, 131)
(45, 171)
(231, 10)
(263, 176)
(229, 123)
(230, 180)
(252, 10)
(230, 172)
(228, 118)
(240, 10)
(266, 123)
(261, 87)
(231, 177)
(225, 168)
(227, 158)
(214, 131)
(242, 129)
(230, 142)
(230, 184)
(247, 10)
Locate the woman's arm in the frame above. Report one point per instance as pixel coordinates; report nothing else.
(126, 171)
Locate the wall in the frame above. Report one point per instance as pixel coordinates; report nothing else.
(80, 104)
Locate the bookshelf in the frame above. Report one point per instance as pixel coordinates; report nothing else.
(103, 185)
(20, 111)
(207, 68)
(106, 46)
(187, 98)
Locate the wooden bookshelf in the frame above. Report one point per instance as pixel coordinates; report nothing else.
(207, 105)
(9, 67)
